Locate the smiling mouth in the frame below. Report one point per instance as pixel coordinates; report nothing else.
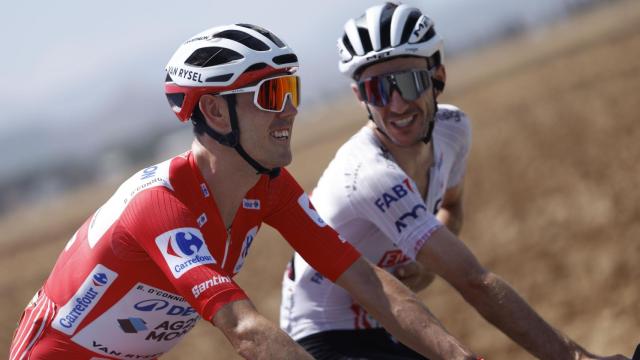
(403, 123)
(280, 135)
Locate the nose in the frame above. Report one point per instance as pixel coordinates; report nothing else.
(397, 104)
(289, 109)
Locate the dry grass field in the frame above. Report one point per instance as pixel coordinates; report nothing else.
(552, 191)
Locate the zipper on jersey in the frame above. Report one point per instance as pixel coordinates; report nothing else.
(226, 247)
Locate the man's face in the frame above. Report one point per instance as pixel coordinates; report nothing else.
(405, 122)
(266, 136)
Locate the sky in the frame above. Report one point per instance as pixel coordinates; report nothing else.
(71, 67)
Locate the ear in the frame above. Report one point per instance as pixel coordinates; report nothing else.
(216, 113)
(354, 88)
(440, 74)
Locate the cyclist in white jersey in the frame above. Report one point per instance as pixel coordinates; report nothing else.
(394, 191)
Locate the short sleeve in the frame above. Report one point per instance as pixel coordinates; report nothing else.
(389, 199)
(294, 216)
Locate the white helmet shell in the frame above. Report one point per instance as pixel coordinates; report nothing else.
(386, 31)
(223, 58)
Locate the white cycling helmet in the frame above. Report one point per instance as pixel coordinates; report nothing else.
(386, 31)
(220, 59)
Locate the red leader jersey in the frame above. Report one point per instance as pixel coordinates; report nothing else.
(139, 273)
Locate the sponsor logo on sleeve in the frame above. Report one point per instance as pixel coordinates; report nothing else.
(183, 249)
(209, 283)
(308, 208)
(390, 196)
(392, 258)
(410, 216)
(84, 300)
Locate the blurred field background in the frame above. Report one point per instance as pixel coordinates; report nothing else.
(552, 199)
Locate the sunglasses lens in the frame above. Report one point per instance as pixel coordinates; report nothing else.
(410, 84)
(274, 92)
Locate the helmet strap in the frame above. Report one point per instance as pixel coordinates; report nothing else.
(232, 139)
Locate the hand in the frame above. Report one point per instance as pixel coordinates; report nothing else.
(414, 275)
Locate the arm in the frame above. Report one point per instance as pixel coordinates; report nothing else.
(253, 336)
(495, 300)
(413, 274)
(451, 213)
(401, 313)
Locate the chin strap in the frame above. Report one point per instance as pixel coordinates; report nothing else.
(232, 139)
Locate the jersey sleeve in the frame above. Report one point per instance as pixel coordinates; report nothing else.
(293, 215)
(168, 232)
(389, 199)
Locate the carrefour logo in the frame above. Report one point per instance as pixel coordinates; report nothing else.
(184, 249)
(188, 244)
(86, 297)
(100, 279)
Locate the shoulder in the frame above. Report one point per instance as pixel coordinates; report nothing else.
(361, 164)
(452, 115)
(453, 124)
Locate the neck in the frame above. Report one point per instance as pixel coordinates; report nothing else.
(228, 176)
(413, 159)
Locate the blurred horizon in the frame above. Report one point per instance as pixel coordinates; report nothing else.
(86, 100)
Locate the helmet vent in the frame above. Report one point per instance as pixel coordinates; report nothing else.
(285, 59)
(264, 32)
(385, 25)
(257, 66)
(412, 19)
(168, 78)
(363, 33)
(347, 44)
(175, 99)
(244, 39)
(430, 34)
(219, 78)
(211, 56)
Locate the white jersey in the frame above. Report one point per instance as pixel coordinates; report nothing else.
(374, 205)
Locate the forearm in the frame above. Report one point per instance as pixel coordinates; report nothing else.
(255, 337)
(406, 318)
(266, 341)
(499, 303)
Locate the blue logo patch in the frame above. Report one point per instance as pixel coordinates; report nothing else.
(394, 194)
(251, 204)
(151, 305)
(132, 325)
(413, 214)
(100, 279)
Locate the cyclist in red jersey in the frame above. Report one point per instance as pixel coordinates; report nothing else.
(162, 251)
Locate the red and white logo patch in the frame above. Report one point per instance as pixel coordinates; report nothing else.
(183, 249)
